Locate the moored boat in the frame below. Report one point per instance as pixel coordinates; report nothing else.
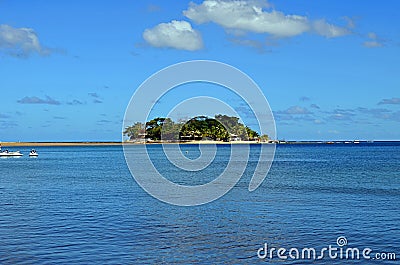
(33, 153)
(7, 153)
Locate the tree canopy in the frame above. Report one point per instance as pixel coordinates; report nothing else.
(221, 127)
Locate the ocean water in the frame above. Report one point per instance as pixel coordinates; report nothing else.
(80, 205)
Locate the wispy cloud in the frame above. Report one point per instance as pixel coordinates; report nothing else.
(294, 113)
(175, 34)
(20, 42)
(255, 44)
(59, 118)
(321, 27)
(36, 100)
(93, 94)
(380, 113)
(295, 110)
(75, 102)
(304, 98)
(340, 117)
(259, 17)
(314, 106)
(373, 41)
(104, 121)
(5, 122)
(96, 98)
(341, 114)
(318, 121)
(351, 24)
(153, 8)
(394, 101)
(8, 124)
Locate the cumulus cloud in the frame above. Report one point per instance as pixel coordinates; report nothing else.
(257, 17)
(35, 100)
(175, 34)
(394, 101)
(20, 42)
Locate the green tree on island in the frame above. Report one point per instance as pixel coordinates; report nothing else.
(221, 127)
(135, 131)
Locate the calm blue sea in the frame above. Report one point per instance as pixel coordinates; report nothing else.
(80, 205)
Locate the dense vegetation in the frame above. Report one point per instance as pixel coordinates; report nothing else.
(221, 127)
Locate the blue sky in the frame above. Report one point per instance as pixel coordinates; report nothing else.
(330, 70)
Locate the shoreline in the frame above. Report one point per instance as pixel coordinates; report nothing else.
(34, 144)
(23, 144)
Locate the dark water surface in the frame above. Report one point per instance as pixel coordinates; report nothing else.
(80, 205)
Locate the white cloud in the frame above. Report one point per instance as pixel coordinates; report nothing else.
(176, 34)
(351, 24)
(394, 101)
(251, 16)
(372, 35)
(249, 43)
(372, 44)
(35, 100)
(321, 27)
(317, 121)
(374, 41)
(20, 42)
(295, 110)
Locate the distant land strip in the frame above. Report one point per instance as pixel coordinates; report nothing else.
(4, 144)
(34, 144)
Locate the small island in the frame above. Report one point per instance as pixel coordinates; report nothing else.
(221, 128)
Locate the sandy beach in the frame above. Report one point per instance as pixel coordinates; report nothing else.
(7, 144)
(17, 144)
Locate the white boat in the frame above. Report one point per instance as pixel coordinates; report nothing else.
(7, 153)
(33, 153)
